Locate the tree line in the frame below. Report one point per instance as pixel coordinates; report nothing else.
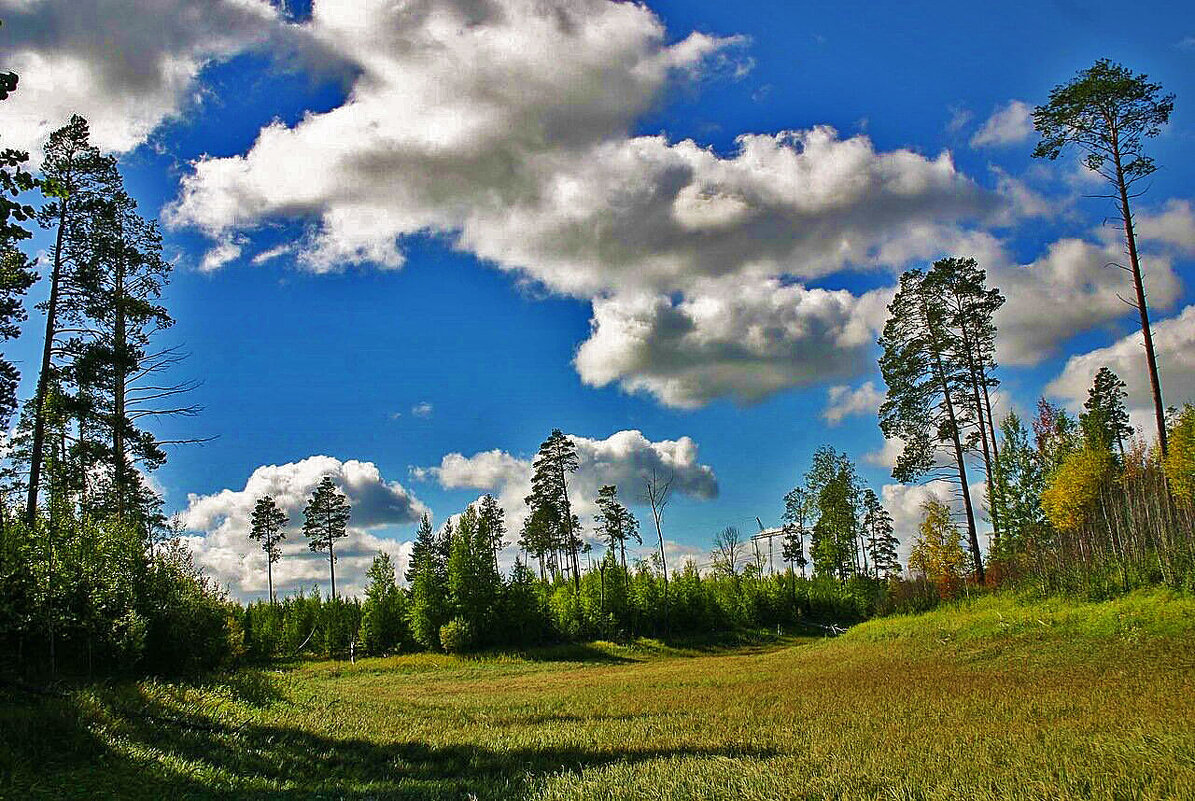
(458, 596)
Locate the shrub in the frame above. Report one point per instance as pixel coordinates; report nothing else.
(456, 636)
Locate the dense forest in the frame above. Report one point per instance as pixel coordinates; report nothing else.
(94, 579)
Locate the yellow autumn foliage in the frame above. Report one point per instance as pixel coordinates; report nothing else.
(1074, 488)
(1180, 457)
(937, 553)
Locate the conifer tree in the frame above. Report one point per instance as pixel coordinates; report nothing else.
(427, 575)
(1105, 420)
(77, 178)
(1022, 479)
(384, 613)
(326, 518)
(833, 544)
(1056, 434)
(615, 523)
(832, 492)
(119, 314)
(16, 276)
(879, 537)
(556, 458)
(540, 533)
(799, 510)
(491, 521)
(267, 526)
(969, 309)
(925, 406)
(474, 586)
(1107, 112)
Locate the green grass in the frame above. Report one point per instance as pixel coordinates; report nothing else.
(995, 698)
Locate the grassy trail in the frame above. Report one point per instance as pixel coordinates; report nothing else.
(993, 700)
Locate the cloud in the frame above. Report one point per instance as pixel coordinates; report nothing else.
(273, 253)
(1174, 343)
(125, 65)
(960, 117)
(224, 252)
(906, 502)
(886, 455)
(1009, 125)
(505, 126)
(1023, 201)
(743, 343)
(625, 458)
(222, 521)
(1069, 289)
(1173, 225)
(422, 409)
(843, 402)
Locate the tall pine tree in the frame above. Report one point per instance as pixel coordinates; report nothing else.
(556, 458)
(77, 179)
(1107, 112)
(926, 406)
(267, 527)
(427, 576)
(326, 518)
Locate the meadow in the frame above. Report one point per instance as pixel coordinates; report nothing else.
(991, 698)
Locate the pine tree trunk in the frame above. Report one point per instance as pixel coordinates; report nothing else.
(1155, 382)
(976, 382)
(120, 347)
(972, 536)
(572, 541)
(332, 564)
(43, 379)
(998, 485)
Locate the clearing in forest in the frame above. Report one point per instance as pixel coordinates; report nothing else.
(991, 699)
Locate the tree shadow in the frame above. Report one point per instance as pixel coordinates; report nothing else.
(168, 749)
(585, 653)
(250, 686)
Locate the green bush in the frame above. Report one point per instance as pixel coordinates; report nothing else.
(456, 636)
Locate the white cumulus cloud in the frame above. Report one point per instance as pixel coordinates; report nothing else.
(743, 342)
(1174, 343)
(625, 458)
(221, 523)
(125, 65)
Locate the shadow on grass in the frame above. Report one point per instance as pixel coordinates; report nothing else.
(164, 748)
(587, 653)
(636, 650)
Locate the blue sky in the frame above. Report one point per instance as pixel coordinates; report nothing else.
(484, 221)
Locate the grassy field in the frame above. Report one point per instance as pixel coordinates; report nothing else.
(993, 699)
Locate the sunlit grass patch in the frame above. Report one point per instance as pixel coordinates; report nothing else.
(995, 698)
